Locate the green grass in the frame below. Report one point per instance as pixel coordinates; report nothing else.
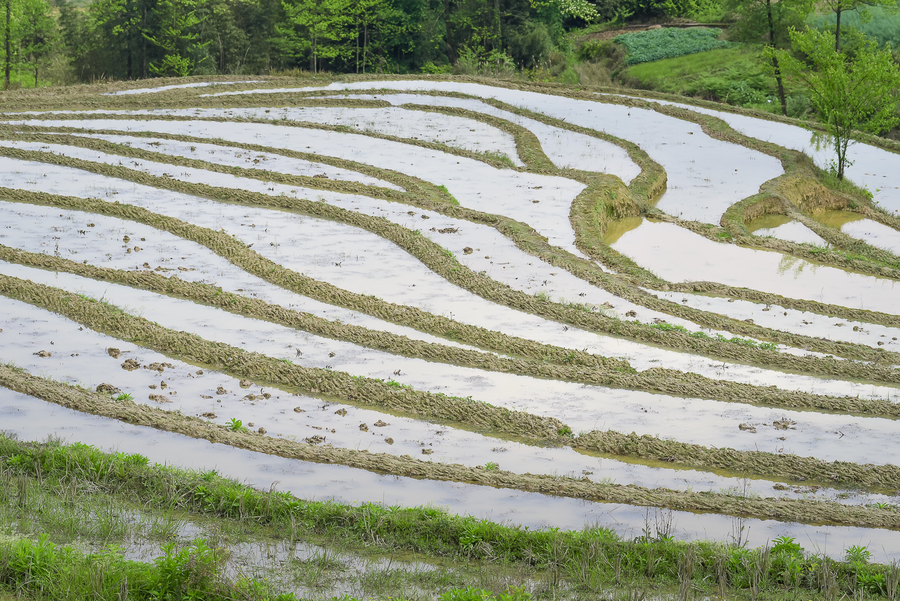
(733, 75)
(62, 573)
(80, 494)
(668, 42)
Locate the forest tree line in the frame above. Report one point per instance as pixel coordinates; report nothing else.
(132, 39)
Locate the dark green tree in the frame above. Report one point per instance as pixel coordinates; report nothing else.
(851, 94)
(769, 22)
(37, 36)
(316, 29)
(177, 35)
(842, 6)
(121, 28)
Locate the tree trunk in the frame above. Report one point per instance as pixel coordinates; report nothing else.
(498, 35)
(221, 53)
(780, 83)
(144, 42)
(448, 38)
(837, 31)
(840, 145)
(8, 51)
(778, 78)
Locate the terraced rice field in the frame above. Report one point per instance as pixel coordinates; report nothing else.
(539, 306)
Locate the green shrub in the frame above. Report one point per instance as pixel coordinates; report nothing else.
(476, 594)
(530, 45)
(594, 50)
(668, 42)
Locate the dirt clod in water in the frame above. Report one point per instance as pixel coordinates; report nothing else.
(209, 414)
(159, 398)
(160, 367)
(389, 440)
(631, 314)
(108, 388)
(427, 451)
(262, 430)
(299, 410)
(363, 428)
(784, 424)
(342, 412)
(220, 390)
(747, 428)
(246, 383)
(380, 424)
(131, 365)
(315, 439)
(468, 250)
(113, 352)
(43, 354)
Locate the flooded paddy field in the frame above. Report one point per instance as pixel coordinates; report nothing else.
(522, 305)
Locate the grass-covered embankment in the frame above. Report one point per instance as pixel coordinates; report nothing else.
(587, 564)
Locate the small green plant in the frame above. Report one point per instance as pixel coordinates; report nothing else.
(490, 466)
(236, 425)
(124, 397)
(565, 431)
(19, 463)
(858, 555)
(786, 545)
(452, 199)
(501, 158)
(191, 573)
(396, 384)
(477, 594)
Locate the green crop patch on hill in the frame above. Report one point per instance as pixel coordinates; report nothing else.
(734, 75)
(658, 44)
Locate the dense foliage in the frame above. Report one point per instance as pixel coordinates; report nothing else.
(72, 40)
(130, 39)
(656, 44)
(876, 22)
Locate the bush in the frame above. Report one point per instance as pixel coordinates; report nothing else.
(476, 594)
(478, 61)
(530, 45)
(657, 44)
